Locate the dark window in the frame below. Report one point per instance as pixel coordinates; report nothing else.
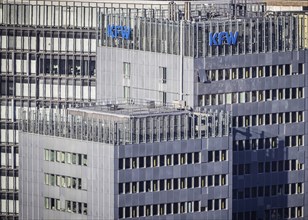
(127, 188)
(120, 188)
(210, 156)
(127, 163)
(210, 205)
(141, 162)
(141, 186)
(148, 161)
(260, 167)
(189, 158)
(155, 209)
(161, 185)
(175, 184)
(247, 192)
(161, 160)
(210, 181)
(169, 210)
(141, 211)
(196, 157)
(175, 159)
(196, 181)
(120, 164)
(175, 208)
(260, 191)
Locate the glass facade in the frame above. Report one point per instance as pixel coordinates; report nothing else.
(47, 59)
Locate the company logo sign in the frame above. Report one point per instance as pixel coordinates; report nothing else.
(118, 31)
(218, 39)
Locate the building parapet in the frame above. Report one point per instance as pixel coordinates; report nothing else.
(127, 123)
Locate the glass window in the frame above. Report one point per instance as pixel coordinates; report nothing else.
(46, 179)
(46, 155)
(52, 179)
(163, 71)
(74, 183)
(63, 182)
(58, 206)
(74, 158)
(79, 159)
(68, 206)
(47, 204)
(68, 182)
(126, 70)
(85, 160)
(58, 179)
(85, 208)
(196, 157)
(58, 154)
(74, 207)
(52, 155)
(62, 157)
(68, 158)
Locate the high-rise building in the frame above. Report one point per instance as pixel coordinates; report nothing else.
(48, 53)
(48, 60)
(126, 160)
(252, 63)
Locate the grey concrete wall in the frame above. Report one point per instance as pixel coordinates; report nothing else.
(145, 80)
(253, 157)
(189, 170)
(97, 178)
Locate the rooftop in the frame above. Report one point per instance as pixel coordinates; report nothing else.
(127, 109)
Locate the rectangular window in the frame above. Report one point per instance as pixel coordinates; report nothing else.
(126, 92)
(52, 155)
(163, 72)
(46, 179)
(126, 70)
(46, 155)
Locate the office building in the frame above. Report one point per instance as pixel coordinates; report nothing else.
(50, 63)
(251, 63)
(48, 59)
(126, 160)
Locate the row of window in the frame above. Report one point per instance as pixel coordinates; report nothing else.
(294, 141)
(267, 143)
(70, 206)
(251, 96)
(159, 160)
(241, 169)
(279, 213)
(266, 191)
(172, 184)
(65, 157)
(270, 166)
(217, 155)
(244, 215)
(171, 208)
(252, 72)
(284, 213)
(63, 181)
(282, 165)
(255, 144)
(268, 119)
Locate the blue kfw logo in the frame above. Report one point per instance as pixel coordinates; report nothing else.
(221, 37)
(116, 31)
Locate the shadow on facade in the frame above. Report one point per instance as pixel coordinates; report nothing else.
(259, 176)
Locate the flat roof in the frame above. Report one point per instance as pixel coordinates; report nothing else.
(127, 109)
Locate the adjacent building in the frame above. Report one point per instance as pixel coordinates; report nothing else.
(236, 58)
(126, 160)
(252, 63)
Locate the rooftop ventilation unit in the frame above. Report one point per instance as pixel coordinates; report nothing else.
(150, 104)
(112, 107)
